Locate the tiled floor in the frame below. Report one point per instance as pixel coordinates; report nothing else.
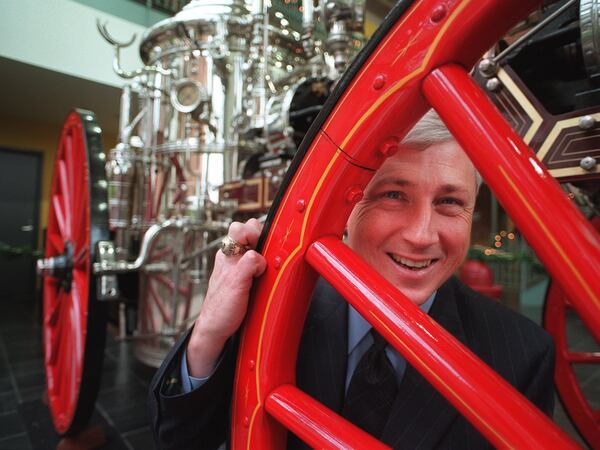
(24, 419)
(121, 406)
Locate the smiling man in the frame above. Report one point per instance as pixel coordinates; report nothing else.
(414, 223)
(413, 226)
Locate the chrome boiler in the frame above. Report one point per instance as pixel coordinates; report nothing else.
(207, 128)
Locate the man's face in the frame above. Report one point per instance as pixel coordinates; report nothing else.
(414, 223)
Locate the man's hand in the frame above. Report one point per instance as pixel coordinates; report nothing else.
(226, 299)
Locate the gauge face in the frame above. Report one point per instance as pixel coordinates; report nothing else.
(186, 95)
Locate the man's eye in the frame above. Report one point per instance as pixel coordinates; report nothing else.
(394, 195)
(451, 201)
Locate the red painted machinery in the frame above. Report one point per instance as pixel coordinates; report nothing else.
(419, 57)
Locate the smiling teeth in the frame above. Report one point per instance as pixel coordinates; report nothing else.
(410, 263)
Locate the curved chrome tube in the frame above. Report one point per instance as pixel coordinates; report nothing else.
(105, 268)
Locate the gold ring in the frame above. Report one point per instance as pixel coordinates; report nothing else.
(230, 247)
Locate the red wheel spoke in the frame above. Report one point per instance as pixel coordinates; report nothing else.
(584, 357)
(315, 424)
(54, 346)
(68, 156)
(55, 339)
(65, 356)
(414, 333)
(58, 329)
(561, 236)
(188, 306)
(76, 322)
(79, 186)
(59, 214)
(169, 284)
(56, 243)
(159, 303)
(151, 320)
(52, 317)
(66, 195)
(160, 254)
(80, 260)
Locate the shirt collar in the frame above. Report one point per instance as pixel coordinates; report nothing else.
(358, 327)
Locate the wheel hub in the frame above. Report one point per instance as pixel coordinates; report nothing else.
(59, 266)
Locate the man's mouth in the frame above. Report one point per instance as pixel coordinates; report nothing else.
(411, 263)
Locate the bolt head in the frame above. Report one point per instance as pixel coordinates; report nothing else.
(588, 163)
(300, 205)
(277, 262)
(587, 123)
(439, 12)
(389, 147)
(354, 194)
(379, 81)
(493, 84)
(487, 67)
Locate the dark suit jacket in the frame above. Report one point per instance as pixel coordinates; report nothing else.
(421, 418)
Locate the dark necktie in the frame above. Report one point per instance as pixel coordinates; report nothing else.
(372, 389)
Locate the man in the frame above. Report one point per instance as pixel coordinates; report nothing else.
(413, 226)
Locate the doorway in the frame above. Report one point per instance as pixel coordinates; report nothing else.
(20, 182)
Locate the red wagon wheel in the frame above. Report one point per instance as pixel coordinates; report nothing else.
(421, 54)
(74, 325)
(585, 418)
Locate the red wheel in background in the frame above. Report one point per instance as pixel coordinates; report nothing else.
(585, 418)
(74, 325)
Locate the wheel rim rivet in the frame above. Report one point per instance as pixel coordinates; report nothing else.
(300, 205)
(487, 67)
(493, 84)
(587, 122)
(379, 81)
(246, 422)
(438, 13)
(389, 147)
(277, 262)
(588, 163)
(251, 364)
(354, 194)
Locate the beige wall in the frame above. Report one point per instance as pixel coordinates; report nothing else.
(20, 134)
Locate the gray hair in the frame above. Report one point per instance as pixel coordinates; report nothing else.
(432, 130)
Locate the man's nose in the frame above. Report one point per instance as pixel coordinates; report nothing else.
(419, 229)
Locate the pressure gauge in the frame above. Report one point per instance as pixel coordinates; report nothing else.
(187, 95)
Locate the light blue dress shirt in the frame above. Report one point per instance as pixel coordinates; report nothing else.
(359, 341)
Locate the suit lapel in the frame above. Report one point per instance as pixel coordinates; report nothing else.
(322, 357)
(421, 416)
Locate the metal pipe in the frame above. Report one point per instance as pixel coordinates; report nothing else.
(103, 268)
(125, 113)
(533, 30)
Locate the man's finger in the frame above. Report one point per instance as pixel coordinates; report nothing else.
(253, 262)
(245, 233)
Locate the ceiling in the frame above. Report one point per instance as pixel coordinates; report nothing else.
(36, 94)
